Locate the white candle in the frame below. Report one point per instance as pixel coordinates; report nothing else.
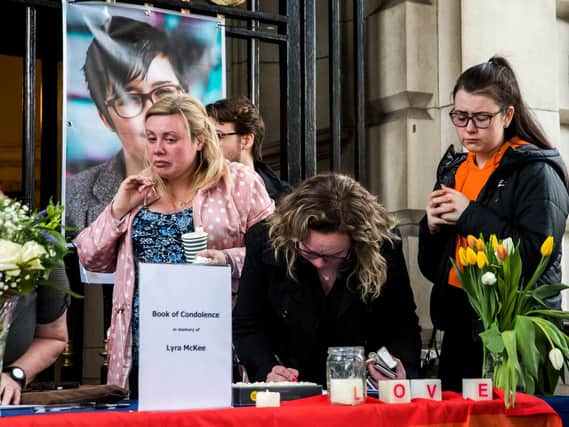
(267, 399)
(346, 391)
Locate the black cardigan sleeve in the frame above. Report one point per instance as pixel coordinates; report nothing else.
(395, 323)
(249, 335)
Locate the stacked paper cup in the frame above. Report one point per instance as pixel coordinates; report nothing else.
(193, 243)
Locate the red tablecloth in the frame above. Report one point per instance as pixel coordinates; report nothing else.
(316, 411)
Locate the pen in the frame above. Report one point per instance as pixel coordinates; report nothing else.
(278, 359)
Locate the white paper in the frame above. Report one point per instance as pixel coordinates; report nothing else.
(185, 336)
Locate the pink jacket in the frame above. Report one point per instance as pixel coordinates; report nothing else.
(225, 210)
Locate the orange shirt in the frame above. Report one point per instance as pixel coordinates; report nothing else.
(469, 180)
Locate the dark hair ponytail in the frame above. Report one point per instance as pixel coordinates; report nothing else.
(497, 80)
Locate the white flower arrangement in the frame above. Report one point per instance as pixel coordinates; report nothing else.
(31, 245)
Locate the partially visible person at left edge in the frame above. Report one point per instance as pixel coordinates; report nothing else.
(241, 131)
(511, 183)
(325, 270)
(37, 336)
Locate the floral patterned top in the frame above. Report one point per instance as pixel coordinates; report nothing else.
(156, 238)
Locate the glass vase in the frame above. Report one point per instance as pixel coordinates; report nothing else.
(7, 306)
(490, 363)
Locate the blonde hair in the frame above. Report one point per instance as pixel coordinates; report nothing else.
(335, 203)
(210, 165)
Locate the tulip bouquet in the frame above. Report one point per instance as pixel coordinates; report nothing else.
(523, 346)
(31, 245)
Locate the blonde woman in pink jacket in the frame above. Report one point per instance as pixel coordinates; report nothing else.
(186, 184)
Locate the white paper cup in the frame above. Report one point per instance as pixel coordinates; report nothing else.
(193, 243)
(190, 253)
(199, 234)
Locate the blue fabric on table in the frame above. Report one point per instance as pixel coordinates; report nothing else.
(123, 406)
(560, 404)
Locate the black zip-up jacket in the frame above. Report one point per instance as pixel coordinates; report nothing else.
(525, 198)
(278, 320)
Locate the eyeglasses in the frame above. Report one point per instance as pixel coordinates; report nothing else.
(131, 104)
(221, 135)
(480, 120)
(311, 255)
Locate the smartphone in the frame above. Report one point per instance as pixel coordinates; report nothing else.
(385, 363)
(386, 358)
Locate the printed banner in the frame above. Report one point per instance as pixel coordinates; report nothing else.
(118, 60)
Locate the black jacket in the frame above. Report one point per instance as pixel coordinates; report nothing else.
(525, 199)
(276, 315)
(276, 187)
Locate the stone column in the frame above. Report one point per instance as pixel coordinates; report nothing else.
(414, 57)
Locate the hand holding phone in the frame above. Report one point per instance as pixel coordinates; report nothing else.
(384, 362)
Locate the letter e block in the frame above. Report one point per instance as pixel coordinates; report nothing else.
(395, 391)
(477, 388)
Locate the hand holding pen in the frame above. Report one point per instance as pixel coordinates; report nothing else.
(281, 373)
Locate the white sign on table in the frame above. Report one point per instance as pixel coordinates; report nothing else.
(185, 336)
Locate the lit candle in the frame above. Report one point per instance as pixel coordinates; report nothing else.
(346, 391)
(268, 399)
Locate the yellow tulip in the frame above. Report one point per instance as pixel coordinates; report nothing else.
(471, 240)
(547, 246)
(481, 260)
(493, 241)
(462, 255)
(470, 257)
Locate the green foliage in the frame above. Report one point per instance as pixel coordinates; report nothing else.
(31, 245)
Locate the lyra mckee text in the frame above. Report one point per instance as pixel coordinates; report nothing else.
(185, 347)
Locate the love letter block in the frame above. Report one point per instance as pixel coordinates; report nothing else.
(426, 389)
(477, 388)
(395, 391)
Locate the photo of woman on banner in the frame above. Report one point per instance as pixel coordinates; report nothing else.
(128, 66)
(186, 184)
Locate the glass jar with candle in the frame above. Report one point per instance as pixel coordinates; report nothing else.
(346, 375)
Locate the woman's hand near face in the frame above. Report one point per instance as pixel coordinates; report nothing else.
(378, 376)
(131, 193)
(281, 373)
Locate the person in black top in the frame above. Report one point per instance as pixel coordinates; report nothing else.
(37, 336)
(511, 183)
(241, 131)
(326, 269)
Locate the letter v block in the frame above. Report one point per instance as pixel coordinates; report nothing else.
(426, 389)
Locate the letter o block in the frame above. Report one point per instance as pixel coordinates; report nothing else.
(395, 391)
